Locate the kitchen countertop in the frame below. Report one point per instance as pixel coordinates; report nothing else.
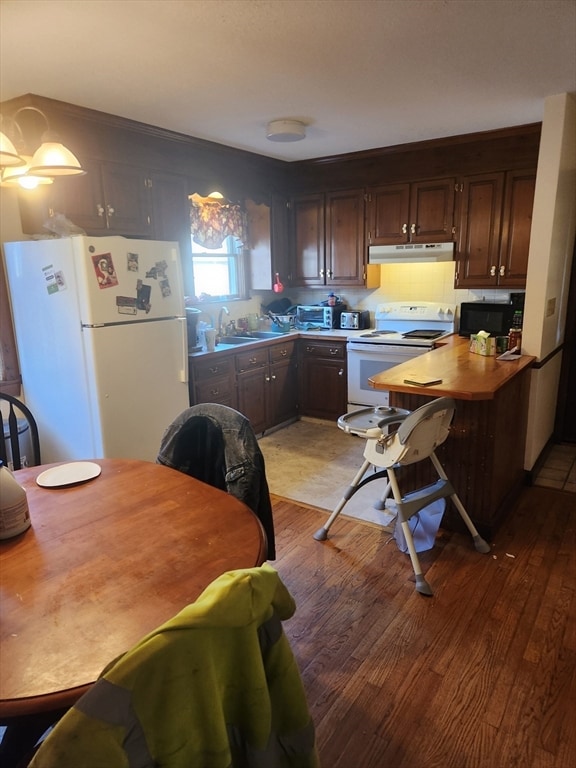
(318, 335)
(464, 375)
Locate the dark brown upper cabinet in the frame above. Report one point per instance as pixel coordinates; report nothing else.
(495, 218)
(328, 246)
(418, 212)
(516, 227)
(112, 198)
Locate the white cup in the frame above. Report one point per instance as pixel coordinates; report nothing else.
(210, 336)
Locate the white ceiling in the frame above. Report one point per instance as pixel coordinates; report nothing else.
(360, 73)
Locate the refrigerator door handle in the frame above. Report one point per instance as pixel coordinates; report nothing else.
(184, 343)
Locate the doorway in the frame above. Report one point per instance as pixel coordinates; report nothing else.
(565, 427)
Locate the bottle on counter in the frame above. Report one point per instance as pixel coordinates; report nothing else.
(515, 339)
(14, 513)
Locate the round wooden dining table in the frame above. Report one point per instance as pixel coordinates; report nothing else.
(105, 562)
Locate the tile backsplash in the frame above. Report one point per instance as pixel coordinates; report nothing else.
(410, 282)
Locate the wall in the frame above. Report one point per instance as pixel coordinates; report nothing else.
(550, 261)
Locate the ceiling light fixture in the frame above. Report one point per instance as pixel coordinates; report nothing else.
(286, 130)
(20, 175)
(51, 158)
(8, 155)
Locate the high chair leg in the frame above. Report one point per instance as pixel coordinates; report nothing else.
(322, 533)
(422, 585)
(381, 502)
(479, 543)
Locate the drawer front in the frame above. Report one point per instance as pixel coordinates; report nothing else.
(218, 390)
(255, 358)
(213, 368)
(332, 350)
(282, 352)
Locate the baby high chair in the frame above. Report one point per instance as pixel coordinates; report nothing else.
(418, 435)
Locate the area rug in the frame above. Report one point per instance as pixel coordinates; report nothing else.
(314, 462)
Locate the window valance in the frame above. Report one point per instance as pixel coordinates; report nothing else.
(213, 220)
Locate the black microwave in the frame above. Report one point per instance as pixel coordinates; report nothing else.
(495, 318)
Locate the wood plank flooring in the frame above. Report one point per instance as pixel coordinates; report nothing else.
(482, 675)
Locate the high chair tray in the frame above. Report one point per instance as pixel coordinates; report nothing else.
(358, 422)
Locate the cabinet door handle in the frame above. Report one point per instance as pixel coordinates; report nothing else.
(404, 228)
(266, 378)
(502, 270)
(215, 392)
(492, 271)
(333, 351)
(341, 372)
(413, 228)
(253, 360)
(100, 209)
(110, 210)
(283, 352)
(273, 377)
(321, 273)
(214, 370)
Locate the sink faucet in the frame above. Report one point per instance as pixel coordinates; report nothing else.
(220, 326)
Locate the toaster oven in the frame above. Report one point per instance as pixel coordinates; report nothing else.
(319, 315)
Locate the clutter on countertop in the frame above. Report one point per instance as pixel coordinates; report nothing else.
(279, 306)
(482, 343)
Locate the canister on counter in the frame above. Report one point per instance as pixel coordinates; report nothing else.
(515, 339)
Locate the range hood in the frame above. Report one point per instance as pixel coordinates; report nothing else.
(410, 253)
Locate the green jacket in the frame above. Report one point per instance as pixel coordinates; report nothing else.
(217, 686)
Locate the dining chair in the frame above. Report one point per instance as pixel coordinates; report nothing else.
(217, 445)
(418, 433)
(215, 685)
(18, 421)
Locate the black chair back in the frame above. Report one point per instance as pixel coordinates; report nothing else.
(217, 445)
(18, 412)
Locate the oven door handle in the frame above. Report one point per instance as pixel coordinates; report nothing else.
(370, 347)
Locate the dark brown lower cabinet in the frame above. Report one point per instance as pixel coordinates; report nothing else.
(323, 378)
(267, 385)
(212, 381)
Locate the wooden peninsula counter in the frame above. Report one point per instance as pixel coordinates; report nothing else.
(484, 454)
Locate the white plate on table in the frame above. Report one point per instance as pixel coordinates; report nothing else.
(68, 474)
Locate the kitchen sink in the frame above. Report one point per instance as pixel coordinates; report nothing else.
(265, 334)
(235, 340)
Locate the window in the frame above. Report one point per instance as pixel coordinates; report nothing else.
(218, 230)
(219, 272)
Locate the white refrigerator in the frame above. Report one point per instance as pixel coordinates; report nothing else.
(101, 335)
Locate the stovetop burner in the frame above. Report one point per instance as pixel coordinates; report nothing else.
(373, 334)
(423, 334)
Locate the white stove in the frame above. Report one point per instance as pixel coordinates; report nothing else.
(402, 331)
